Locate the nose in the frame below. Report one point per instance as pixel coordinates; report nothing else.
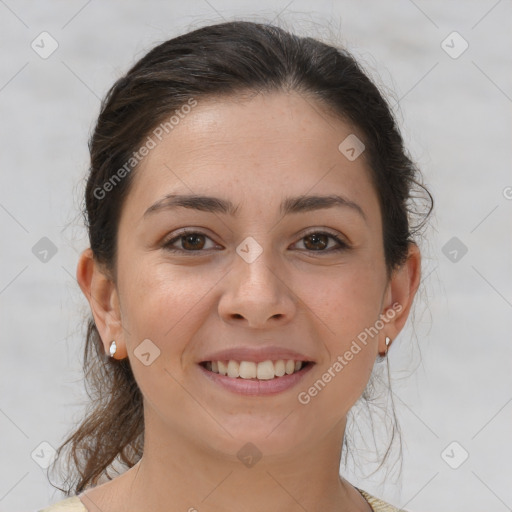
(257, 295)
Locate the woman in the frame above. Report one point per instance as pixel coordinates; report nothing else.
(250, 258)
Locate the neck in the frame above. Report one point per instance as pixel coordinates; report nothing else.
(189, 477)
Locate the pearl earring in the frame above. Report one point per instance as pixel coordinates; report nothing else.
(383, 356)
(113, 348)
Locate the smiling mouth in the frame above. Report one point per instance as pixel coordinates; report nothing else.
(249, 370)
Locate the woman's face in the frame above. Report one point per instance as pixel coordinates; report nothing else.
(254, 278)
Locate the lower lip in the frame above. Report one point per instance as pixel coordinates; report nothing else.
(257, 387)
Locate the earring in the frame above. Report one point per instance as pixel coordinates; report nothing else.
(383, 356)
(113, 348)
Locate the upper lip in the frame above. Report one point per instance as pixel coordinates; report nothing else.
(256, 355)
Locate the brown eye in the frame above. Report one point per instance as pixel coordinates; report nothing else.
(319, 241)
(316, 241)
(191, 241)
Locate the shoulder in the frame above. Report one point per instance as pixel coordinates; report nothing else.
(72, 504)
(379, 505)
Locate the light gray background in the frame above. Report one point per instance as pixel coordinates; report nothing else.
(451, 372)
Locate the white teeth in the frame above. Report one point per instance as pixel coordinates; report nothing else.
(248, 370)
(265, 370)
(223, 368)
(279, 368)
(233, 369)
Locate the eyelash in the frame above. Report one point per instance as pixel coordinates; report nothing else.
(167, 245)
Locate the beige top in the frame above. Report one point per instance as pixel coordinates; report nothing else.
(378, 505)
(74, 504)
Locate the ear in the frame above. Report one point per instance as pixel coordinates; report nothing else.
(399, 296)
(100, 290)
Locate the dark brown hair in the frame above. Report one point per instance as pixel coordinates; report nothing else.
(226, 59)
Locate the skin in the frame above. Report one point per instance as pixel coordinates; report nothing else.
(255, 152)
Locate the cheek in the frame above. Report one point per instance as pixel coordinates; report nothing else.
(161, 300)
(347, 300)
(162, 304)
(348, 305)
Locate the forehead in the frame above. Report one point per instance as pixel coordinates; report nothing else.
(262, 148)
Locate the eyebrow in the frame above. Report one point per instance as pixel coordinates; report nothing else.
(210, 204)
